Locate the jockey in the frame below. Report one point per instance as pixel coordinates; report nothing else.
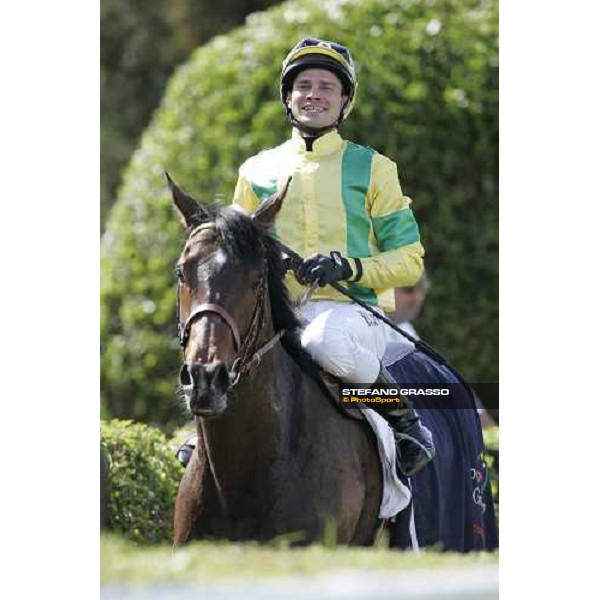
(346, 212)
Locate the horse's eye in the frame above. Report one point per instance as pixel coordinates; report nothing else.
(179, 273)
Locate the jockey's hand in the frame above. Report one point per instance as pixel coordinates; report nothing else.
(324, 269)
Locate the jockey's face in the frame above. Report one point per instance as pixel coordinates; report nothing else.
(316, 98)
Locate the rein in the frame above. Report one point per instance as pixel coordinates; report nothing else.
(247, 357)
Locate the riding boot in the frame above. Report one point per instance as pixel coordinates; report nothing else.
(184, 452)
(414, 442)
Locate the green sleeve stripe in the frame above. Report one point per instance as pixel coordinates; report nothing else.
(263, 192)
(356, 176)
(396, 229)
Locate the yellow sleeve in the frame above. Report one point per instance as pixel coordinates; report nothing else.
(244, 195)
(395, 268)
(399, 261)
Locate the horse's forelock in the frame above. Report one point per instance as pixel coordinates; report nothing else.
(247, 240)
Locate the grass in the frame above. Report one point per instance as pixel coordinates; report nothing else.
(203, 562)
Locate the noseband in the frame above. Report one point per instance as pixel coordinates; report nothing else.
(184, 330)
(246, 359)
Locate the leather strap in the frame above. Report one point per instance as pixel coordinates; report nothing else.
(211, 308)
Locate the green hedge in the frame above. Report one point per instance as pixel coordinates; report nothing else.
(491, 438)
(143, 478)
(427, 97)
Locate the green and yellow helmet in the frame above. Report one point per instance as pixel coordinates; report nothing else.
(312, 53)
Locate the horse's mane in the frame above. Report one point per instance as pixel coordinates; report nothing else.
(247, 241)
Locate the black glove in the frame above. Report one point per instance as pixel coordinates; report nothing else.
(324, 269)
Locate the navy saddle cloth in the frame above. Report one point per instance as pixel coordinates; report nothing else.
(452, 496)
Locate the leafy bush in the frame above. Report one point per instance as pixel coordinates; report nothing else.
(491, 438)
(427, 97)
(140, 45)
(143, 478)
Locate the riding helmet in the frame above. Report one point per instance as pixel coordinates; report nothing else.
(313, 53)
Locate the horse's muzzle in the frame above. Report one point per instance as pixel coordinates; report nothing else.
(205, 388)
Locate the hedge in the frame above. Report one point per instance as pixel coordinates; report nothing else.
(427, 97)
(491, 438)
(143, 478)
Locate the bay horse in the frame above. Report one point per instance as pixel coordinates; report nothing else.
(274, 456)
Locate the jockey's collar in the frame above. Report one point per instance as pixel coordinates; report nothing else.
(320, 146)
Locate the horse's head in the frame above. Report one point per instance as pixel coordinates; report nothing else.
(222, 296)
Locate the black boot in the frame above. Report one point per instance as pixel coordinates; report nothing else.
(184, 452)
(414, 441)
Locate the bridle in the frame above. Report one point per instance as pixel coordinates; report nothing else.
(247, 357)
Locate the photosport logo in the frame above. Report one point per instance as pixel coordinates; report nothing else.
(389, 395)
(436, 396)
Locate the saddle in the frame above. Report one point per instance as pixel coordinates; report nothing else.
(333, 385)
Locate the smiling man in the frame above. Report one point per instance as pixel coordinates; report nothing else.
(346, 212)
(316, 99)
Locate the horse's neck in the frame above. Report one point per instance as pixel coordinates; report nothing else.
(244, 447)
(261, 405)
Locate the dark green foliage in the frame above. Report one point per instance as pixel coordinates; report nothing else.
(427, 97)
(133, 71)
(141, 42)
(143, 477)
(104, 487)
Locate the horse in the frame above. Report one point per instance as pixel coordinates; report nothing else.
(275, 458)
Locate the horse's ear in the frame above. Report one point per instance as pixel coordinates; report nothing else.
(266, 213)
(192, 212)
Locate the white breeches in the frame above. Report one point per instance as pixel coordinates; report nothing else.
(344, 339)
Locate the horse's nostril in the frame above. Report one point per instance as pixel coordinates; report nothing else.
(185, 376)
(220, 377)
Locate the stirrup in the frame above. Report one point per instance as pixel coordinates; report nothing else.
(414, 443)
(419, 459)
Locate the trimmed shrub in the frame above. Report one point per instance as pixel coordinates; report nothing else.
(491, 438)
(143, 477)
(104, 487)
(427, 98)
